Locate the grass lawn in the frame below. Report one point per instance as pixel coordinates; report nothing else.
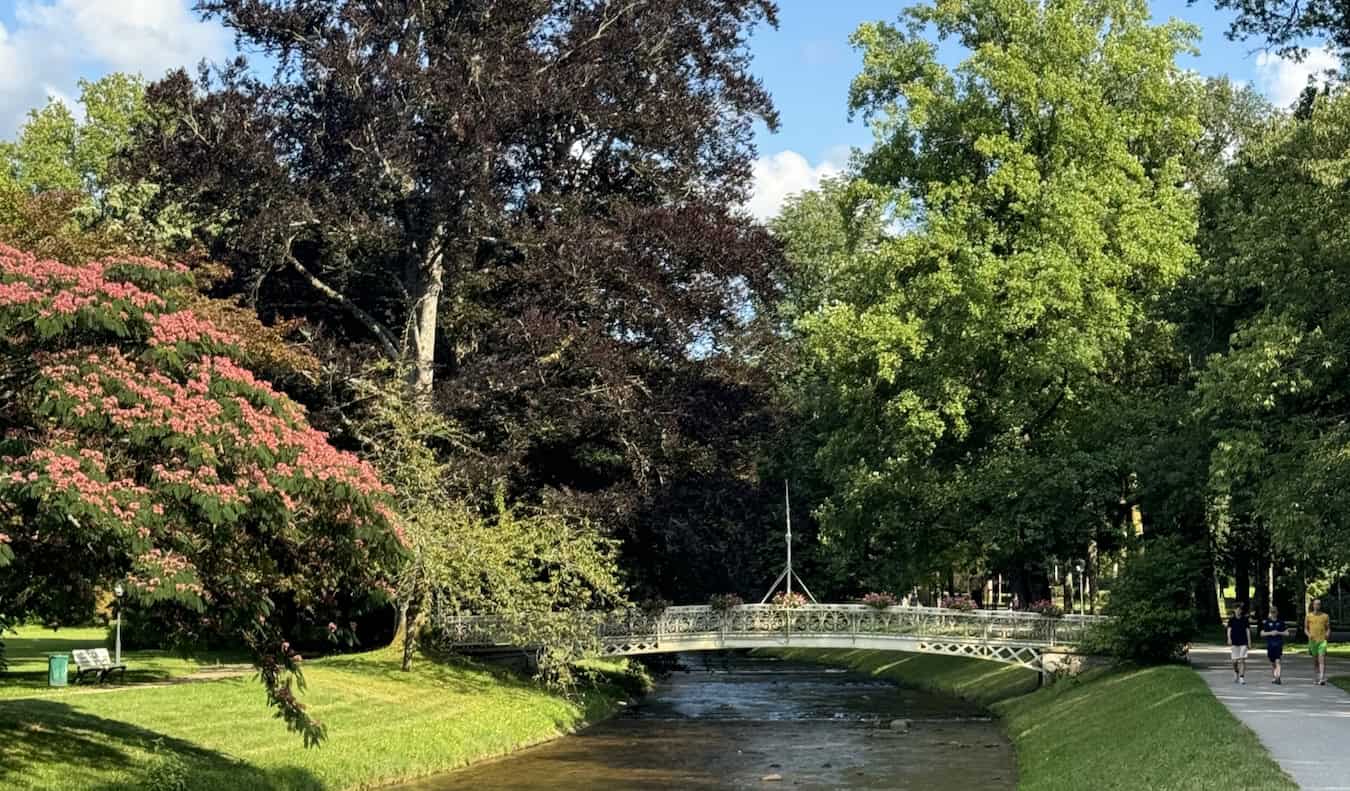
(27, 655)
(383, 724)
(980, 682)
(1128, 728)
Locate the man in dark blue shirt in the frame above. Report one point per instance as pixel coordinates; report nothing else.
(1239, 638)
(1274, 630)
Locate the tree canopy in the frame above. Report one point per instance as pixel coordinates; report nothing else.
(135, 447)
(976, 287)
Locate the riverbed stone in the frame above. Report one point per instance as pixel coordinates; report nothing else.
(771, 778)
(899, 725)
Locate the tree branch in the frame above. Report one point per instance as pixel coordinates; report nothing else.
(381, 333)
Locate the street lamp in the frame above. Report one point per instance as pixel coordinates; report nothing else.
(118, 591)
(1082, 596)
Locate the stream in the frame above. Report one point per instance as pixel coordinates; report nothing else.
(735, 721)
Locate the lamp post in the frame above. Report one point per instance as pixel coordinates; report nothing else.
(118, 591)
(1079, 566)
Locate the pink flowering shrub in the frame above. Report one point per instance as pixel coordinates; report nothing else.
(137, 448)
(880, 601)
(960, 603)
(788, 601)
(1047, 608)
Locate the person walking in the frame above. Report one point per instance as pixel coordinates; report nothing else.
(1239, 639)
(1318, 626)
(1273, 629)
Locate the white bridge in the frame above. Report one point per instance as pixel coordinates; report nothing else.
(1016, 638)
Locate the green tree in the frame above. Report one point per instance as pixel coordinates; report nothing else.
(62, 168)
(1275, 387)
(971, 292)
(519, 564)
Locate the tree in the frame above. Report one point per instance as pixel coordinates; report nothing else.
(413, 152)
(60, 171)
(520, 564)
(1287, 24)
(135, 447)
(971, 294)
(1273, 387)
(530, 206)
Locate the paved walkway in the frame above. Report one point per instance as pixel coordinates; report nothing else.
(1305, 727)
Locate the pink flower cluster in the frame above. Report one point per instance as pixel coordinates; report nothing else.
(57, 288)
(184, 326)
(165, 572)
(82, 474)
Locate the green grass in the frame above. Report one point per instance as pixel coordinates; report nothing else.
(27, 656)
(1125, 728)
(384, 725)
(980, 682)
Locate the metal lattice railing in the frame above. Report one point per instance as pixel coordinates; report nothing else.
(988, 627)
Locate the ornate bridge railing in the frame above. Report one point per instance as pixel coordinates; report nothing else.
(998, 635)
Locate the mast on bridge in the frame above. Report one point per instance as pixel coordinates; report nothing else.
(788, 574)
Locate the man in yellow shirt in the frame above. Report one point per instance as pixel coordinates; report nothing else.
(1318, 626)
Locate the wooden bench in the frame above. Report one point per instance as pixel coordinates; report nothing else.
(91, 662)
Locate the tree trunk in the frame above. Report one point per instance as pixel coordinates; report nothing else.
(425, 311)
(410, 636)
(1242, 577)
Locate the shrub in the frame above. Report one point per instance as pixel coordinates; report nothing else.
(879, 601)
(962, 603)
(788, 601)
(654, 607)
(1047, 608)
(723, 602)
(1152, 610)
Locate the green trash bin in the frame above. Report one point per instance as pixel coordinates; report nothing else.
(57, 665)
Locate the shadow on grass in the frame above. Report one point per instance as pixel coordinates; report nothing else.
(47, 742)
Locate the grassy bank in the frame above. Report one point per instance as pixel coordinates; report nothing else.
(1129, 728)
(384, 725)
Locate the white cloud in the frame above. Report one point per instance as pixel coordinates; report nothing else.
(1283, 79)
(55, 42)
(784, 174)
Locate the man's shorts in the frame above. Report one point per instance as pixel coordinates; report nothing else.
(1274, 652)
(1239, 652)
(1317, 647)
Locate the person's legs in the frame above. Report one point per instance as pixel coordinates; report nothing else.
(1318, 649)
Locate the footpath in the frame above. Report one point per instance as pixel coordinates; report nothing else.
(1305, 727)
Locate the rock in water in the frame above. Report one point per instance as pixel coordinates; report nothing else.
(771, 778)
(900, 725)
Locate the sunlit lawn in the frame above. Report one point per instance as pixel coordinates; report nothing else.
(383, 725)
(27, 655)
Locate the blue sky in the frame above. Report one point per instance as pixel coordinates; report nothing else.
(47, 45)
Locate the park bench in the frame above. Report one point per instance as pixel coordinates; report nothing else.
(91, 662)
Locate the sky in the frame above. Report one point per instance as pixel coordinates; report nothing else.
(46, 46)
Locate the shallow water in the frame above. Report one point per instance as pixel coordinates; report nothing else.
(729, 721)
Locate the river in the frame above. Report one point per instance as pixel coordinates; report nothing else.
(733, 721)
